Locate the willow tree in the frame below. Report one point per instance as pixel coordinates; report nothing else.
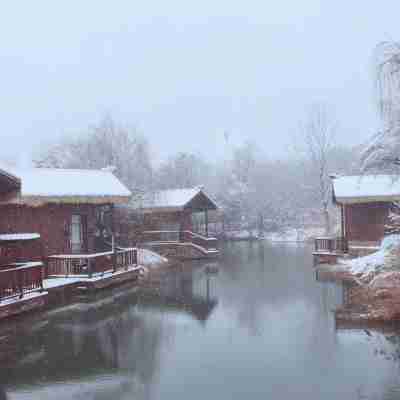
(382, 153)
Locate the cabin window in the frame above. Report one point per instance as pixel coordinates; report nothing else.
(77, 233)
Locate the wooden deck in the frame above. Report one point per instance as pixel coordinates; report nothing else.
(91, 271)
(21, 288)
(29, 286)
(328, 249)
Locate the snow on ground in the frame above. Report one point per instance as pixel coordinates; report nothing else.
(243, 234)
(365, 265)
(18, 236)
(150, 258)
(294, 235)
(374, 262)
(286, 236)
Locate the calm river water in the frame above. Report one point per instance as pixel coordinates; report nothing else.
(260, 328)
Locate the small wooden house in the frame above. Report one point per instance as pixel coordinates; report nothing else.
(365, 203)
(70, 209)
(169, 216)
(174, 210)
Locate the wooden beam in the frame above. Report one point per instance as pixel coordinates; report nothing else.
(206, 217)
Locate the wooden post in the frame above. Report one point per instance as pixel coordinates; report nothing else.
(342, 217)
(114, 255)
(20, 286)
(89, 261)
(206, 218)
(41, 277)
(135, 257)
(181, 225)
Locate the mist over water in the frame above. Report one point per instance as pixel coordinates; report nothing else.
(260, 327)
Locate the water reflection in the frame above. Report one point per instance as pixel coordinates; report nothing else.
(256, 324)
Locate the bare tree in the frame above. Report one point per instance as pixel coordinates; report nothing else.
(318, 133)
(105, 144)
(183, 170)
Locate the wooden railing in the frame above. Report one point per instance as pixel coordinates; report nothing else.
(331, 245)
(202, 241)
(180, 236)
(161, 236)
(87, 265)
(18, 281)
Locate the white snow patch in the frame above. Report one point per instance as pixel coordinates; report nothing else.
(373, 262)
(54, 182)
(368, 186)
(148, 258)
(10, 237)
(294, 235)
(168, 199)
(243, 234)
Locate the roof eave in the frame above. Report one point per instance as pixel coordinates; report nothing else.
(35, 200)
(366, 199)
(148, 210)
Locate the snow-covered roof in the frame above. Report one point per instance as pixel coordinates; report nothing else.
(171, 199)
(70, 185)
(13, 237)
(366, 188)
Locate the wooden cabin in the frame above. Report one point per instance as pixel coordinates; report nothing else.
(70, 209)
(365, 203)
(21, 269)
(176, 215)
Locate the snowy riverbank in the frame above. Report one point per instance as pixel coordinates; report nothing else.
(375, 292)
(285, 236)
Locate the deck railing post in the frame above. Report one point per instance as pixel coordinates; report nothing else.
(20, 285)
(89, 261)
(114, 260)
(42, 269)
(135, 257)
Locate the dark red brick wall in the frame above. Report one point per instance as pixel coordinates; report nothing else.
(366, 222)
(50, 221)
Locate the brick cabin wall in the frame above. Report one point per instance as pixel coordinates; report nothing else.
(366, 222)
(51, 221)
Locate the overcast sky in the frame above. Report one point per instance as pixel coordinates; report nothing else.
(185, 71)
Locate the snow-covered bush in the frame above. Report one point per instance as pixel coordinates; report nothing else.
(386, 258)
